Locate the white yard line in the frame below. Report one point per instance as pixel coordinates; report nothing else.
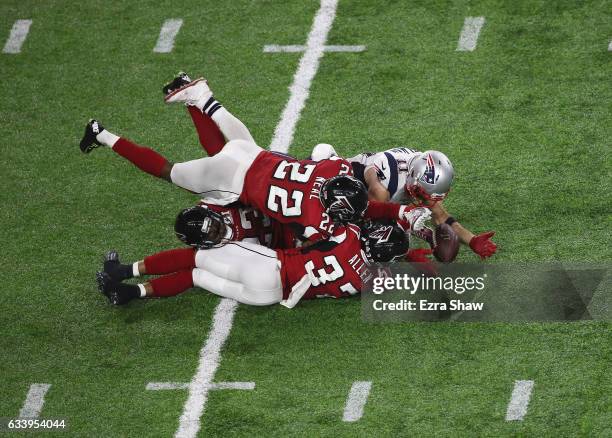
(19, 33)
(309, 64)
(610, 46)
(162, 386)
(210, 355)
(357, 398)
(517, 408)
(469, 34)
(167, 34)
(34, 401)
(275, 48)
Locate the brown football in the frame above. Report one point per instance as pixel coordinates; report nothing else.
(447, 243)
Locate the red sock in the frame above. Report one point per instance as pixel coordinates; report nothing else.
(211, 138)
(171, 285)
(173, 260)
(142, 157)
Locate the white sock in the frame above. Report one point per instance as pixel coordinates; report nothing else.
(135, 271)
(231, 127)
(107, 138)
(143, 291)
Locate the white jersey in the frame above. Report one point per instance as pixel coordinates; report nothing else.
(391, 168)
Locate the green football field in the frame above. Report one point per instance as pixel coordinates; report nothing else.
(525, 117)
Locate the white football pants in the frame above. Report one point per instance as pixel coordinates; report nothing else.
(219, 179)
(245, 272)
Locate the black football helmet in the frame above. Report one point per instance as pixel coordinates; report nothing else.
(383, 242)
(344, 197)
(201, 227)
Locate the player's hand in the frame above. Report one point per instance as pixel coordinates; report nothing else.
(483, 245)
(416, 217)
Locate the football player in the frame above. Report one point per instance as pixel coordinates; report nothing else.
(310, 197)
(410, 177)
(399, 175)
(254, 274)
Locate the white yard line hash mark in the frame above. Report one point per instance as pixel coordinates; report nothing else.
(275, 48)
(167, 34)
(161, 386)
(307, 69)
(469, 34)
(210, 355)
(19, 33)
(610, 46)
(357, 398)
(517, 408)
(33, 404)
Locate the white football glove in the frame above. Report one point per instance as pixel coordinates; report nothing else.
(416, 217)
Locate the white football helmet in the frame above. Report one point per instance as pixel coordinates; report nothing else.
(430, 176)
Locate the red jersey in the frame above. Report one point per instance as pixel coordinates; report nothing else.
(287, 190)
(336, 267)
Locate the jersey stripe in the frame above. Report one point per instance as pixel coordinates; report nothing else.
(392, 187)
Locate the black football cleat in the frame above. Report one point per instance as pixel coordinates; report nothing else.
(114, 268)
(116, 294)
(180, 81)
(89, 141)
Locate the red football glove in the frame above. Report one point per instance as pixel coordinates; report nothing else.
(483, 245)
(418, 255)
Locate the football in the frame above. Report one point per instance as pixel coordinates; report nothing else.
(446, 243)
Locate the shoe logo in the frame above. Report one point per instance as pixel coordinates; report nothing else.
(95, 128)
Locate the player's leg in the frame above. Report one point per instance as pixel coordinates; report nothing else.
(163, 262)
(210, 136)
(236, 290)
(219, 179)
(197, 93)
(144, 158)
(246, 272)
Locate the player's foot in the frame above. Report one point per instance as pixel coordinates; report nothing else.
(89, 141)
(182, 79)
(114, 268)
(116, 294)
(183, 89)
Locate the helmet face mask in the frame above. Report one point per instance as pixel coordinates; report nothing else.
(344, 198)
(384, 242)
(201, 228)
(430, 177)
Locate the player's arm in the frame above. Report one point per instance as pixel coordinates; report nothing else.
(481, 244)
(376, 191)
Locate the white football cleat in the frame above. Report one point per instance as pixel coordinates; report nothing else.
(194, 93)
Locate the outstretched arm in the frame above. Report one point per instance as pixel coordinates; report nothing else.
(481, 244)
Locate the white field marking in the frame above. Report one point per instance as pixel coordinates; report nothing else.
(610, 46)
(167, 34)
(34, 401)
(517, 408)
(275, 48)
(307, 69)
(18, 35)
(161, 386)
(357, 398)
(469, 34)
(210, 355)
